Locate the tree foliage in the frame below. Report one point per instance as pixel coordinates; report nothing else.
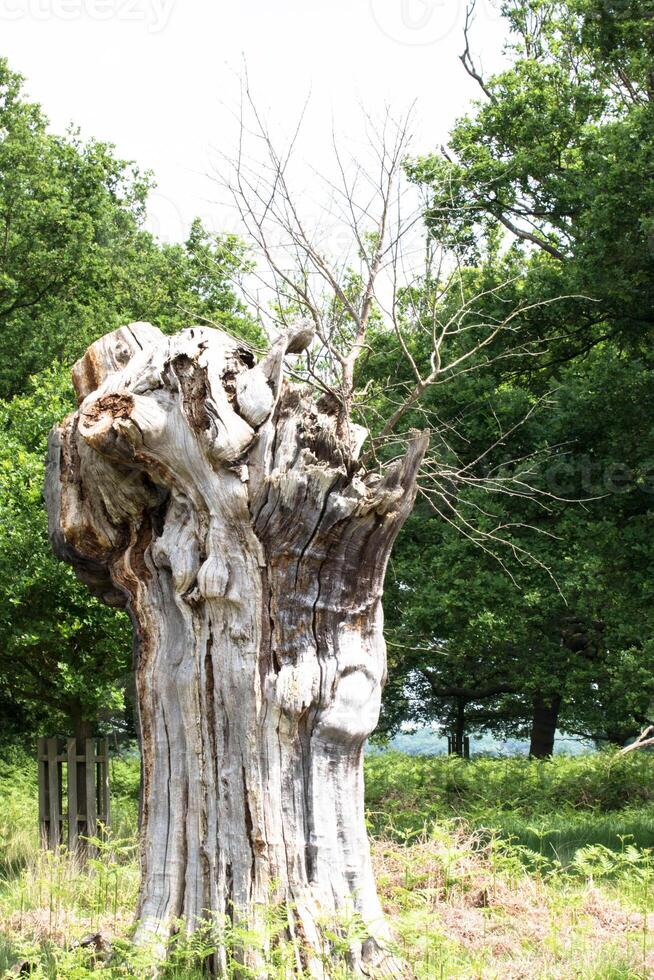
(554, 158)
(75, 261)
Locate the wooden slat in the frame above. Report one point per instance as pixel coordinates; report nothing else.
(72, 795)
(43, 792)
(104, 783)
(91, 808)
(53, 791)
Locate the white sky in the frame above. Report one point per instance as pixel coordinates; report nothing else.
(155, 77)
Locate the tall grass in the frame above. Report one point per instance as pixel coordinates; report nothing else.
(491, 868)
(18, 812)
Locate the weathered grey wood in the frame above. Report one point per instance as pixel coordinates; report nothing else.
(42, 754)
(88, 774)
(73, 838)
(227, 511)
(103, 776)
(54, 795)
(91, 792)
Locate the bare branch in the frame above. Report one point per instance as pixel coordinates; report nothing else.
(387, 273)
(641, 742)
(466, 58)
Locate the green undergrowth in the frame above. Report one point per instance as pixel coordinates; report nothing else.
(486, 869)
(552, 806)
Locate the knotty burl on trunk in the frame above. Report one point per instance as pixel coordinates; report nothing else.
(226, 510)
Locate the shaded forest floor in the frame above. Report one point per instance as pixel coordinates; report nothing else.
(489, 869)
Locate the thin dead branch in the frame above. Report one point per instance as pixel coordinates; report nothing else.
(384, 275)
(645, 738)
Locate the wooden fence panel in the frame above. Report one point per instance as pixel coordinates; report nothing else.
(87, 797)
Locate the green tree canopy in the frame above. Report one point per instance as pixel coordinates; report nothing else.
(75, 260)
(544, 186)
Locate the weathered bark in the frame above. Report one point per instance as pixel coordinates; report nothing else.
(221, 505)
(543, 727)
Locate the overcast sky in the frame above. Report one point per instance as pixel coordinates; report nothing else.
(157, 77)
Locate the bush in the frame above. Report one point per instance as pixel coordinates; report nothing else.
(125, 783)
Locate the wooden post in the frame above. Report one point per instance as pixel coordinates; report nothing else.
(73, 837)
(103, 776)
(54, 793)
(91, 792)
(43, 791)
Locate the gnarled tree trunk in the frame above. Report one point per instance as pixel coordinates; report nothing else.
(226, 509)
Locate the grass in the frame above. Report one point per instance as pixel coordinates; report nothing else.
(553, 806)
(487, 869)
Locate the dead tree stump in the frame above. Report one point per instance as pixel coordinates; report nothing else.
(226, 510)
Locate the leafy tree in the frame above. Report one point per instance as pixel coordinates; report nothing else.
(557, 152)
(62, 653)
(468, 640)
(555, 156)
(75, 261)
